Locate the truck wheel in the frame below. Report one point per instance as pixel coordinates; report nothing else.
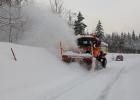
(87, 62)
(66, 59)
(104, 63)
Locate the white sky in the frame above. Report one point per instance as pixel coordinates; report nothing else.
(115, 15)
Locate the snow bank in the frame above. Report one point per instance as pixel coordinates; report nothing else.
(35, 72)
(46, 29)
(39, 75)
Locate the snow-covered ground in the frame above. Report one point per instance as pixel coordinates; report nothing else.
(35, 72)
(38, 75)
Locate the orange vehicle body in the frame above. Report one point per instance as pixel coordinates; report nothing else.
(95, 51)
(89, 48)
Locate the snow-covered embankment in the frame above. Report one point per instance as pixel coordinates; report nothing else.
(36, 71)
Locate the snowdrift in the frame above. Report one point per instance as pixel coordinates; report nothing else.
(39, 75)
(34, 72)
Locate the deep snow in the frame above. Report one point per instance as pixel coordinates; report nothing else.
(35, 72)
(38, 75)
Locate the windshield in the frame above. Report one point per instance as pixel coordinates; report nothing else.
(86, 41)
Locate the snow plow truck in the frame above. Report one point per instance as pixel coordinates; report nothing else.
(91, 52)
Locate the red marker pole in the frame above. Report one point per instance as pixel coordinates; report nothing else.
(13, 54)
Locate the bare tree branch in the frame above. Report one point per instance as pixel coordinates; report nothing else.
(11, 18)
(56, 6)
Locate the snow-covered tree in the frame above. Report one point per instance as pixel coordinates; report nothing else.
(124, 43)
(133, 36)
(11, 21)
(99, 31)
(56, 6)
(79, 26)
(70, 16)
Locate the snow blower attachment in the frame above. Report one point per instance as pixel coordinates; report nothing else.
(90, 53)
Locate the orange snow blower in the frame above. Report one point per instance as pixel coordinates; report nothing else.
(89, 51)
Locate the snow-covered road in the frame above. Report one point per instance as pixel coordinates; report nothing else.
(120, 81)
(37, 75)
(127, 87)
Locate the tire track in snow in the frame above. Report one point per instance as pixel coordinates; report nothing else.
(106, 91)
(69, 87)
(72, 85)
(78, 82)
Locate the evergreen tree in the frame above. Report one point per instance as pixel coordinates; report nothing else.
(122, 35)
(129, 39)
(79, 26)
(123, 42)
(99, 31)
(128, 36)
(133, 36)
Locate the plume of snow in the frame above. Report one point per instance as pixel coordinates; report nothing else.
(46, 29)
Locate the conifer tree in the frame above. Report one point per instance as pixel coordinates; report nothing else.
(133, 35)
(79, 26)
(99, 31)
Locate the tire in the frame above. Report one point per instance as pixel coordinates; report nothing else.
(104, 63)
(100, 64)
(66, 59)
(87, 63)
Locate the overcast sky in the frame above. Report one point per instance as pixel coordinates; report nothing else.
(115, 15)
